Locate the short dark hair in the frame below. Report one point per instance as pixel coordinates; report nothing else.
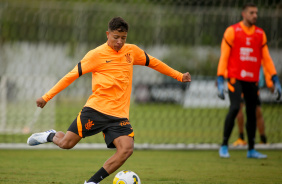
(247, 5)
(119, 24)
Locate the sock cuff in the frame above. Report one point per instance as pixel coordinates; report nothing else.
(50, 137)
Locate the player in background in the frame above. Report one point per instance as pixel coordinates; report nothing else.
(243, 47)
(264, 80)
(107, 108)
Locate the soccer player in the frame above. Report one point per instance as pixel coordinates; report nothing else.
(243, 47)
(107, 108)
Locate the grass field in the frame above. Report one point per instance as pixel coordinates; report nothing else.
(153, 167)
(161, 123)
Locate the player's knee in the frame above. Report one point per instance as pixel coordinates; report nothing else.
(126, 152)
(66, 145)
(129, 152)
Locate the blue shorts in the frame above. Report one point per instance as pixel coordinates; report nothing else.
(90, 122)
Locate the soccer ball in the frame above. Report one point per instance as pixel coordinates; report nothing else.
(126, 177)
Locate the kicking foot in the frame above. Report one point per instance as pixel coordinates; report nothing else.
(39, 138)
(223, 152)
(254, 154)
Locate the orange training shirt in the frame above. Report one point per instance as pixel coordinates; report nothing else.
(227, 44)
(112, 73)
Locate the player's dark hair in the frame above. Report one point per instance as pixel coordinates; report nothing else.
(118, 24)
(247, 5)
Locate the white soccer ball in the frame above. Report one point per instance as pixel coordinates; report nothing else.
(126, 177)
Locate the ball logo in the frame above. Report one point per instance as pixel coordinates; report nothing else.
(135, 179)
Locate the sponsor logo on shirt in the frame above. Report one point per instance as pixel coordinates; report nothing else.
(245, 54)
(245, 73)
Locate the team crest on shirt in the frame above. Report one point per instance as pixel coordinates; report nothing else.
(128, 58)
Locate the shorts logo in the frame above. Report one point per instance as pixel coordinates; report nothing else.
(123, 123)
(89, 124)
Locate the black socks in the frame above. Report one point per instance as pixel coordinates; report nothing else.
(241, 135)
(50, 137)
(99, 176)
(263, 139)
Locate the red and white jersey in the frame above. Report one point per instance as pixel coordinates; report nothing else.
(246, 54)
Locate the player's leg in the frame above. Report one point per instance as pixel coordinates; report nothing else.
(66, 141)
(117, 135)
(250, 94)
(250, 91)
(124, 146)
(260, 124)
(235, 90)
(124, 149)
(40, 138)
(240, 122)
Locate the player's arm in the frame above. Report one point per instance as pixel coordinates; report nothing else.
(269, 67)
(267, 78)
(166, 70)
(226, 45)
(84, 66)
(61, 85)
(142, 58)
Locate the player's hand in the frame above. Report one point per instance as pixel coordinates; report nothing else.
(220, 87)
(41, 102)
(186, 77)
(277, 86)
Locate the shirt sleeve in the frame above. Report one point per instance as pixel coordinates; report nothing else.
(86, 65)
(62, 84)
(142, 58)
(226, 45)
(268, 64)
(267, 76)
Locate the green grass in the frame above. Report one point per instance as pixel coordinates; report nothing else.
(153, 167)
(165, 123)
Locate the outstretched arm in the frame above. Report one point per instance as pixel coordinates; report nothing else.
(142, 58)
(61, 85)
(167, 70)
(86, 65)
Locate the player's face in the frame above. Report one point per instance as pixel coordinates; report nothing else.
(116, 39)
(250, 15)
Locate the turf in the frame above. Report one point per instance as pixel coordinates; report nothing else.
(153, 167)
(165, 123)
